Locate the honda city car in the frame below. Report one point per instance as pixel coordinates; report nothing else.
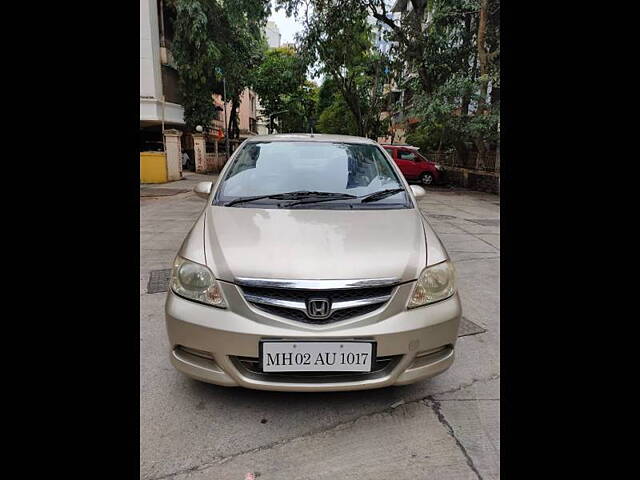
(311, 268)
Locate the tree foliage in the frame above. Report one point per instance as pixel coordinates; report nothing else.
(445, 56)
(327, 93)
(280, 82)
(337, 42)
(216, 38)
(337, 119)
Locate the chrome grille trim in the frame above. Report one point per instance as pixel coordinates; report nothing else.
(317, 284)
(293, 303)
(276, 302)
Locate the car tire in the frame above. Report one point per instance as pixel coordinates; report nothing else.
(426, 178)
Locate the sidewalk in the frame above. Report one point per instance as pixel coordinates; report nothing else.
(187, 183)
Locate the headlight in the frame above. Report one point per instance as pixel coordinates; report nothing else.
(195, 282)
(435, 283)
(438, 167)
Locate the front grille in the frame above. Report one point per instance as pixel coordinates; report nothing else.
(300, 316)
(250, 366)
(301, 296)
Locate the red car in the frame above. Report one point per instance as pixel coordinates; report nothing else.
(413, 165)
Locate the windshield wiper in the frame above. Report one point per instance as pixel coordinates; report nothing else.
(372, 197)
(290, 196)
(329, 198)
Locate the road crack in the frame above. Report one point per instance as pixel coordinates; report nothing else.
(436, 407)
(476, 259)
(336, 426)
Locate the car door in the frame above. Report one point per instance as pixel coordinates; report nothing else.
(407, 162)
(393, 155)
(391, 152)
(402, 164)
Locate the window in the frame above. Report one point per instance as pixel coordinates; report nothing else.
(267, 168)
(406, 155)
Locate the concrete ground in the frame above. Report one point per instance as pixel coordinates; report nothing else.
(447, 427)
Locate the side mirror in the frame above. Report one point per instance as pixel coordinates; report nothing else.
(418, 191)
(203, 189)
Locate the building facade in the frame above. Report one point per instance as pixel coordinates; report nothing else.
(272, 33)
(160, 101)
(274, 38)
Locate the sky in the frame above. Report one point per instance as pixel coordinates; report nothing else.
(288, 26)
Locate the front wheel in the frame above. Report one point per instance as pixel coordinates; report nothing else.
(426, 178)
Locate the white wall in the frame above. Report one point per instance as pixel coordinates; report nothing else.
(151, 108)
(150, 81)
(272, 33)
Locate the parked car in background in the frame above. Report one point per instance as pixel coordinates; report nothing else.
(413, 165)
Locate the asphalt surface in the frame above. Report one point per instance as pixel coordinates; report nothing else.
(447, 427)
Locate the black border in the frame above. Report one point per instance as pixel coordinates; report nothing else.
(74, 225)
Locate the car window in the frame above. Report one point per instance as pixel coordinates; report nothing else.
(268, 168)
(389, 151)
(406, 155)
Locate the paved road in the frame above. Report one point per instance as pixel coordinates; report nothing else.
(447, 428)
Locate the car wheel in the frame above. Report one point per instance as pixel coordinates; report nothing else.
(426, 178)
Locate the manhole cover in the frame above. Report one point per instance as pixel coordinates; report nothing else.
(159, 281)
(486, 222)
(467, 327)
(161, 192)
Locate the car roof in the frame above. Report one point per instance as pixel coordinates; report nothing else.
(310, 137)
(398, 145)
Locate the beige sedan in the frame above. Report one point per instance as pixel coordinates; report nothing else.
(311, 268)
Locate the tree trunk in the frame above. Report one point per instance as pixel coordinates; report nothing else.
(466, 98)
(482, 150)
(484, 77)
(482, 56)
(373, 110)
(462, 152)
(232, 128)
(351, 98)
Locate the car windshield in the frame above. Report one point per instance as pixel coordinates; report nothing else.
(311, 171)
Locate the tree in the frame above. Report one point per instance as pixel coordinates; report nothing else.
(327, 94)
(338, 41)
(300, 109)
(196, 53)
(453, 48)
(216, 36)
(281, 84)
(337, 119)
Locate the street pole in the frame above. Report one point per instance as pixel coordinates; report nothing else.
(226, 127)
(164, 143)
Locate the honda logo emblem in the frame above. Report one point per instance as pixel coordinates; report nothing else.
(318, 308)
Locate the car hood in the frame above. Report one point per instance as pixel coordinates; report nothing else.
(297, 244)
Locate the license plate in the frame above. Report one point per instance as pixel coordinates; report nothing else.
(316, 356)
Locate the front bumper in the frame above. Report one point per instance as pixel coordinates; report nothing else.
(421, 341)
